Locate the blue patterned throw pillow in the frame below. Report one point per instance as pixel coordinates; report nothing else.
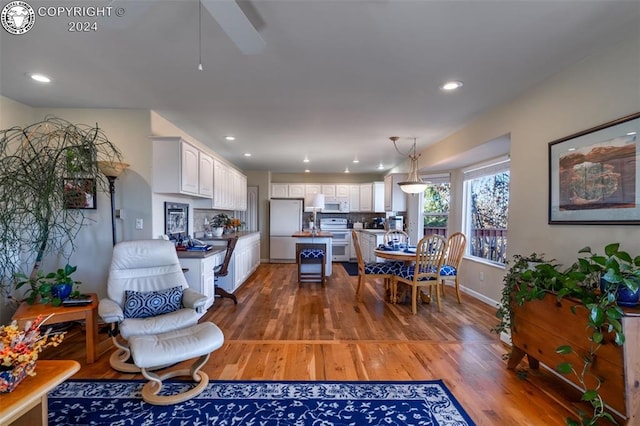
(138, 304)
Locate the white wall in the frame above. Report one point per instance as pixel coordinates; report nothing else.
(599, 89)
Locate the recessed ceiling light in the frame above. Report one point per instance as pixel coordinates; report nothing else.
(346, 170)
(230, 138)
(247, 154)
(356, 161)
(307, 170)
(41, 78)
(306, 160)
(380, 166)
(452, 85)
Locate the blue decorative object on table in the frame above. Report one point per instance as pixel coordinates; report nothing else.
(61, 290)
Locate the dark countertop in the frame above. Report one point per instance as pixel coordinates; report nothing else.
(372, 231)
(198, 254)
(308, 234)
(225, 237)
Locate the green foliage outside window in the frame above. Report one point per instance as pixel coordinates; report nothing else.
(436, 205)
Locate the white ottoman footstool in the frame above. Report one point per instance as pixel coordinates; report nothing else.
(170, 348)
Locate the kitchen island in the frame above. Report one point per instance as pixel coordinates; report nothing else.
(320, 237)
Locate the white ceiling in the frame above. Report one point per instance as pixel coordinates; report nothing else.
(334, 80)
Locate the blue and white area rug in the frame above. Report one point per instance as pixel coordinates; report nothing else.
(260, 403)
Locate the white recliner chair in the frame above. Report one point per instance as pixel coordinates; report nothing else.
(147, 295)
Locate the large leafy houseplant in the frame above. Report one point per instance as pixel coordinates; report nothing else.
(35, 163)
(42, 287)
(532, 278)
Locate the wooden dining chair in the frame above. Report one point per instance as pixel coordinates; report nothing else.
(222, 270)
(395, 235)
(450, 270)
(382, 270)
(424, 272)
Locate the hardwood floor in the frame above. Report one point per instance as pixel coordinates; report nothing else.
(280, 331)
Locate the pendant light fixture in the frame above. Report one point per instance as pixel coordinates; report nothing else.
(413, 184)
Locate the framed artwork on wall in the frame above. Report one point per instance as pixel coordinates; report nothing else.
(594, 175)
(79, 193)
(176, 220)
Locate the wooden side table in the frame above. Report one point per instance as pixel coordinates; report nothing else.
(89, 313)
(27, 404)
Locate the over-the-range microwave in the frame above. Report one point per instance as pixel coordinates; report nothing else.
(336, 205)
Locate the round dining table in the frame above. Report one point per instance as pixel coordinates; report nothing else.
(402, 255)
(405, 256)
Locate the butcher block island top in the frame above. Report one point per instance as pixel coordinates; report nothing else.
(309, 234)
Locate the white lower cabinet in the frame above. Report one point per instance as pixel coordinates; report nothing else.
(244, 261)
(368, 243)
(247, 258)
(199, 275)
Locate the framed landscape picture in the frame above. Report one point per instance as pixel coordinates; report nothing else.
(594, 175)
(79, 193)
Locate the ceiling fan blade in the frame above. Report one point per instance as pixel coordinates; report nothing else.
(236, 24)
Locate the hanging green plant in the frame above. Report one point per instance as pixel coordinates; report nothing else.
(530, 278)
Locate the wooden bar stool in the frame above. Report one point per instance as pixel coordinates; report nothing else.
(311, 254)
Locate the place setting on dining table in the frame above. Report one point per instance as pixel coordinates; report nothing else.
(396, 251)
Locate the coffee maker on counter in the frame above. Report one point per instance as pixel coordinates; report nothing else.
(378, 222)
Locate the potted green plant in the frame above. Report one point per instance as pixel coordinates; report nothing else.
(62, 282)
(218, 223)
(53, 287)
(617, 271)
(39, 287)
(537, 296)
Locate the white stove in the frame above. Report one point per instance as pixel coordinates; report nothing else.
(341, 240)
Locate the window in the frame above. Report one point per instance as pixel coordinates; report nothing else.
(436, 205)
(486, 210)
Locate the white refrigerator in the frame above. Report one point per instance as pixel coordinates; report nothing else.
(285, 218)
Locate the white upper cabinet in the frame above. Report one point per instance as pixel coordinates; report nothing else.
(279, 190)
(181, 168)
(296, 190)
(205, 178)
(177, 168)
(342, 190)
(329, 191)
(366, 197)
(312, 188)
(363, 197)
(395, 200)
(378, 197)
(354, 198)
(229, 188)
(189, 168)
